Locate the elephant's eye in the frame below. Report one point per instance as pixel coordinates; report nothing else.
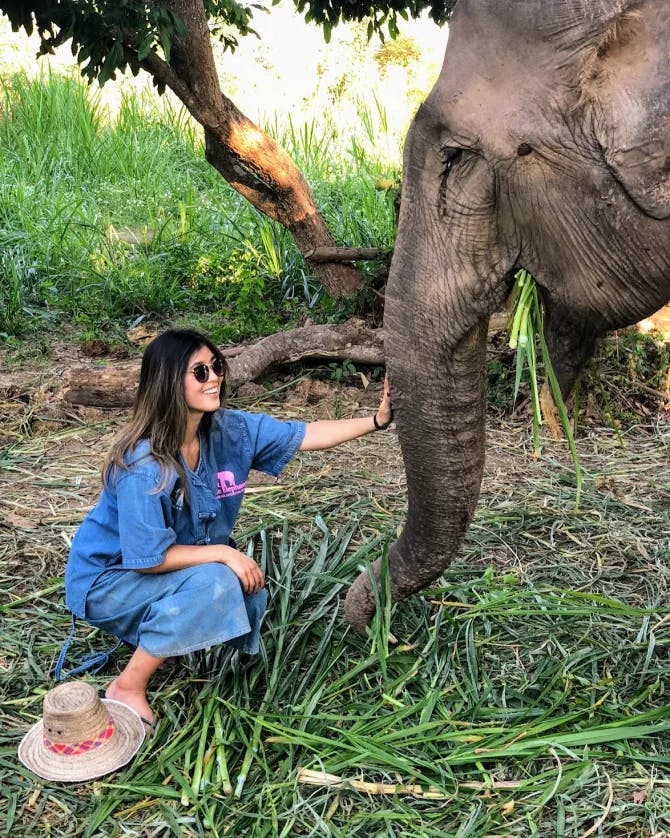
(450, 156)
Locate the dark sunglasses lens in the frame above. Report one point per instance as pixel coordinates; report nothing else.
(201, 373)
(218, 367)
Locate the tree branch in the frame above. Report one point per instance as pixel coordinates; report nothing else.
(346, 254)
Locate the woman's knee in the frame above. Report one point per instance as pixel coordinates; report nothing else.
(208, 588)
(217, 577)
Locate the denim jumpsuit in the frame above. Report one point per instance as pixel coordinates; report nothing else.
(134, 523)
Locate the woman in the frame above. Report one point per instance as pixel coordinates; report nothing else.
(154, 563)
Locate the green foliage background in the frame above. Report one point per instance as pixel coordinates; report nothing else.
(107, 220)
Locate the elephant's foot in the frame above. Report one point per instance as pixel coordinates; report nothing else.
(359, 604)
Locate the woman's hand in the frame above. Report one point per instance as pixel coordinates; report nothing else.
(384, 415)
(331, 432)
(247, 571)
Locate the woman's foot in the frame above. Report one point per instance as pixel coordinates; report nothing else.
(137, 699)
(129, 687)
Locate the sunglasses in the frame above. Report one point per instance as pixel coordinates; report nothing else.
(201, 370)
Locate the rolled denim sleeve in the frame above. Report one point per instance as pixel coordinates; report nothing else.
(144, 532)
(274, 442)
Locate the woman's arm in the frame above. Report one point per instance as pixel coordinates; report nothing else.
(181, 556)
(328, 433)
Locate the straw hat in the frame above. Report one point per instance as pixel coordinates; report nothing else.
(81, 736)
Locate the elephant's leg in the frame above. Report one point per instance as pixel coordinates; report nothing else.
(571, 339)
(439, 396)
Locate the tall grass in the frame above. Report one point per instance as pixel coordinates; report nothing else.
(115, 218)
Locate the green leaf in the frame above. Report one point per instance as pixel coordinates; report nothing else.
(165, 36)
(111, 62)
(144, 47)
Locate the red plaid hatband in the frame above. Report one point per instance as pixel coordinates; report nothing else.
(73, 749)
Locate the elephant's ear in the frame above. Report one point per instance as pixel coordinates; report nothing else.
(628, 80)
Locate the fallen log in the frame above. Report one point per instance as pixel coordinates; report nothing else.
(102, 385)
(352, 341)
(98, 385)
(107, 385)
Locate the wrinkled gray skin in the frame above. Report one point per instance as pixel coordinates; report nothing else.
(545, 144)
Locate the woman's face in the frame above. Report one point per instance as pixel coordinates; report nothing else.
(202, 397)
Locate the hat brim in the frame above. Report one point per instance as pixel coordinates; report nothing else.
(123, 744)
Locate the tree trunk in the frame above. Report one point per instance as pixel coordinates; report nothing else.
(251, 161)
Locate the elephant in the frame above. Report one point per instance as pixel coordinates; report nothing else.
(543, 145)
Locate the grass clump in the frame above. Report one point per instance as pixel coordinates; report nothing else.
(103, 220)
(526, 332)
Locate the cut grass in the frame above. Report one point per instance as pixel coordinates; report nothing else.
(527, 331)
(525, 693)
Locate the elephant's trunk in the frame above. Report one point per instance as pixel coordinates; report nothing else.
(439, 399)
(450, 270)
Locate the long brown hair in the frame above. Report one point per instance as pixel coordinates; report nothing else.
(160, 412)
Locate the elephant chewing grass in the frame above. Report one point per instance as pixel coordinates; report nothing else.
(544, 145)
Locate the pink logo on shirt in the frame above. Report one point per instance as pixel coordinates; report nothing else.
(226, 485)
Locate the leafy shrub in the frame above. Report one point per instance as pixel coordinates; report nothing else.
(628, 379)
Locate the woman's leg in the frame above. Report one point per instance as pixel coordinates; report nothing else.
(130, 686)
(170, 614)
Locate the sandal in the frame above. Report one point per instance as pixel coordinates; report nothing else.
(150, 726)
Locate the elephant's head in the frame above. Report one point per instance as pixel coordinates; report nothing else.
(545, 144)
